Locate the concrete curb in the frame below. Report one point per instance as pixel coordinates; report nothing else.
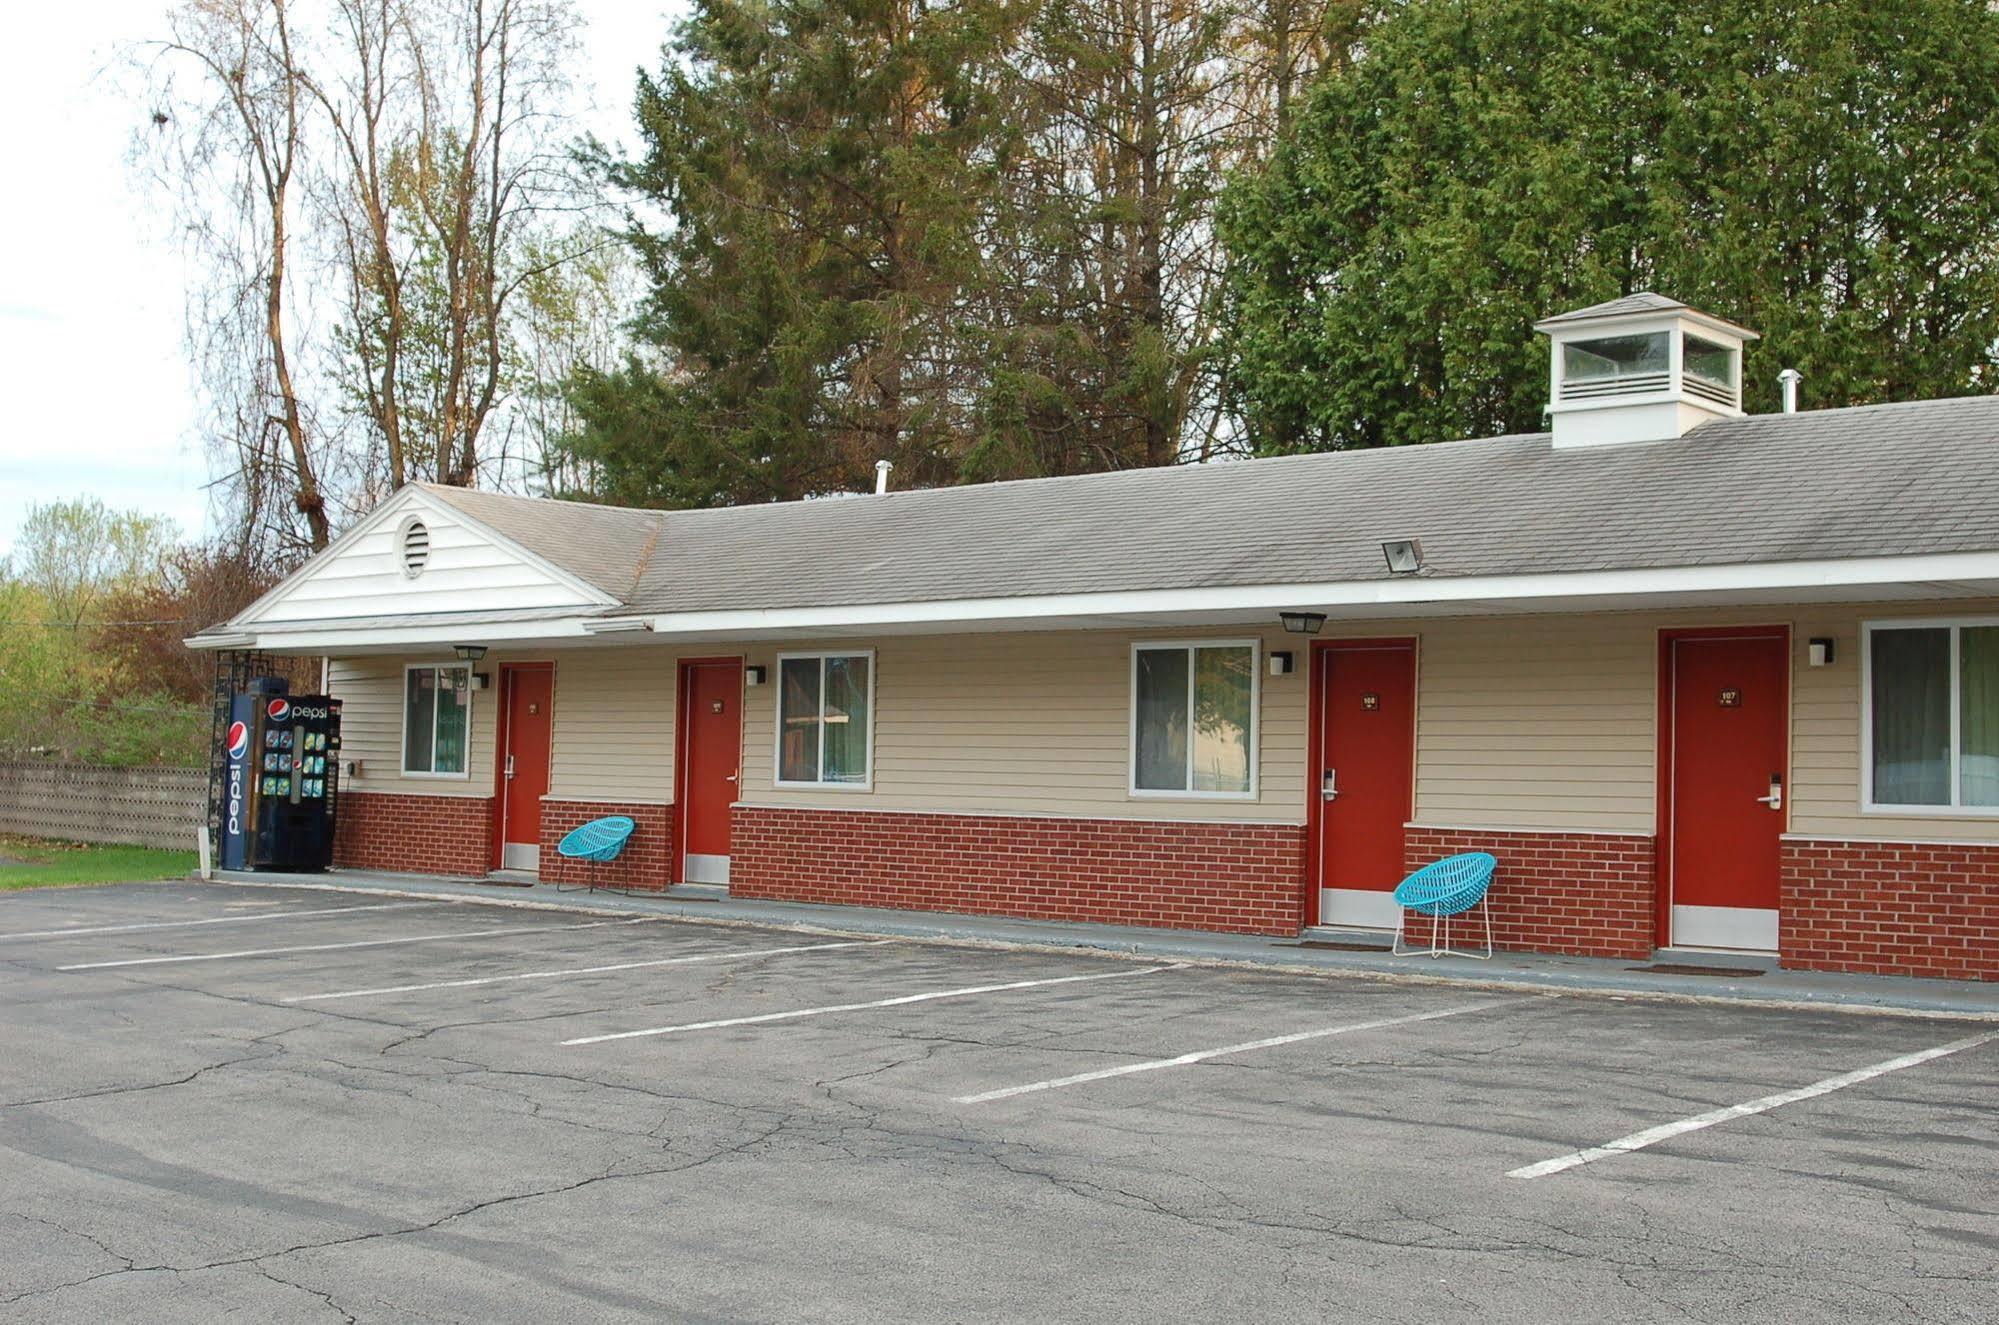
(1789, 990)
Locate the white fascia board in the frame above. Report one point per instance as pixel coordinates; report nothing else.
(1412, 591)
(304, 638)
(1619, 323)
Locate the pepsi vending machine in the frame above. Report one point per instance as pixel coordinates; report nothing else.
(282, 778)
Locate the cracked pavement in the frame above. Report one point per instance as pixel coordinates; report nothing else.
(179, 1144)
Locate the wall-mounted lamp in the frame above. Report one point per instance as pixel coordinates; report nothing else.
(754, 676)
(1404, 555)
(1302, 623)
(1819, 652)
(469, 652)
(1280, 663)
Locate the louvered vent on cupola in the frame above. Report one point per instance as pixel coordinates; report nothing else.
(415, 547)
(1641, 368)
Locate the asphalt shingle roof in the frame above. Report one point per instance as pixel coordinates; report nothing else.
(1645, 301)
(1881, 480)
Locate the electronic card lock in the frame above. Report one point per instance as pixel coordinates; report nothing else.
(510, 768)
(1775, 800)
(1329, 784)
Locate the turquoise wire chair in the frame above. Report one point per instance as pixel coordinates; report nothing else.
(1443, 890)
(599, 842)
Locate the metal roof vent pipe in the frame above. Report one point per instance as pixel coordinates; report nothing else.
(882, 467)
(1789, 380)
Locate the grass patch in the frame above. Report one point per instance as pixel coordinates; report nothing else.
(33, 862)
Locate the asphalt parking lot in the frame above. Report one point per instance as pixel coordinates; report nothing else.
(304, 1105)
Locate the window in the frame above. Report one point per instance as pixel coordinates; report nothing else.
(1708, 361)
(1193, 709)
(1615, 357)
(437, 720)
(825, 719)
(1931, 725)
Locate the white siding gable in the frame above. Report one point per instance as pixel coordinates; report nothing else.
(470, 569)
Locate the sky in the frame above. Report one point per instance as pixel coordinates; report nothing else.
(97, 388)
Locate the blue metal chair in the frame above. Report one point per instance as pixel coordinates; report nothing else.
(599, 842)
(1442, 890)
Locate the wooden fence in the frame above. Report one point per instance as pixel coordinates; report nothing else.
(151, 807)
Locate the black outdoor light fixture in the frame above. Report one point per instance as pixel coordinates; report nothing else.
(1302, 623)
(472, 653)
(1404, 555)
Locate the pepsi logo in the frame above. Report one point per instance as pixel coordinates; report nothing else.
(239, 739)
(278, 709)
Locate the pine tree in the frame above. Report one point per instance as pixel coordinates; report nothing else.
(825, 169)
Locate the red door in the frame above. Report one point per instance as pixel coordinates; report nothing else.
(1366, 702)
(711, 747)
(528, 695)
(1725, 789)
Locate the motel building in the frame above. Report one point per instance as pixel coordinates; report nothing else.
(1699, 680)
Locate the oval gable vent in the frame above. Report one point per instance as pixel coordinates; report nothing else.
(415, 548)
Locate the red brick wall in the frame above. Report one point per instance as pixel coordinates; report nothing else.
(1890, 908)
(646, 861)
(1237, 878)
(1588, 894)
(378, 830)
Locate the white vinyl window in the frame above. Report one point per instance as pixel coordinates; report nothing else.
(437, 720)
(1930, 717)
(825, 720)
(1193, 719)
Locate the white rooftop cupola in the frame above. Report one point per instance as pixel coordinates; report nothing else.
(1643, 368)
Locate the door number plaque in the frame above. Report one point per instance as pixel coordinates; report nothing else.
(1731, 698)
(1370, 701)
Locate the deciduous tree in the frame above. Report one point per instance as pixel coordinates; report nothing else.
(1825, 173)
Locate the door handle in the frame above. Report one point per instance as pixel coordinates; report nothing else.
(1329, 784)
(730, 778)
(1775, 800)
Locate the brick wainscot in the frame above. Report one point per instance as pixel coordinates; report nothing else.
(646, 861)
(378, 830)
(1890, 908)
(1234, 878)
(1585, 894)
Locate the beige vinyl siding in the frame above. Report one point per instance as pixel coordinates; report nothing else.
(1536, 722)
(371, 726)
(1024, 723)
(614, 718)
(1522, 722)
(1826, 716)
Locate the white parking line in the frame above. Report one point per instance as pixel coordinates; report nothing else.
(1202, 1055)
(523, 930)
(584, 970)
(857, 1007)
(1651, 1136)
(216, 920)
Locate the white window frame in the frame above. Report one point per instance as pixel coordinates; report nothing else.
(1136, 792)
(777, 777)
(1956, 809)
(403, 721)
